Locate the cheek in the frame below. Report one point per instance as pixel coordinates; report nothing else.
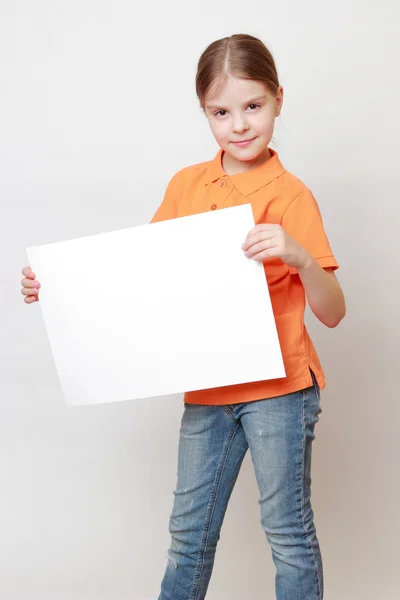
(268, 123)
(263, 120)
(269, 129)
(219, 130)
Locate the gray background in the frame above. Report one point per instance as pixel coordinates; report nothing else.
(98, 110)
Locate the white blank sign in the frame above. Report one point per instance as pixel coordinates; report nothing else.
(157, 309)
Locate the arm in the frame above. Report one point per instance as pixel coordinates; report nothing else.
(321, 287)
(323, 292)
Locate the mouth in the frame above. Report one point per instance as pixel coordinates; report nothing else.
(243, 143)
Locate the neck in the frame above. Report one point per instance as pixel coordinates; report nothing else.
(233, 166)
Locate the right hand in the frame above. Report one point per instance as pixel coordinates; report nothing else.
(30, 287)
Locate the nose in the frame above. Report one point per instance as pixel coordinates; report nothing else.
(239, 124)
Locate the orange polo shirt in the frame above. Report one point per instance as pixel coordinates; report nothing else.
(279, 197)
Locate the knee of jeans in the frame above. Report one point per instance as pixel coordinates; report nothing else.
(182, 519)
(286, 538)
(171, 562)
(183, 551)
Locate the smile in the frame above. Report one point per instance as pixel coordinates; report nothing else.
(243, 143)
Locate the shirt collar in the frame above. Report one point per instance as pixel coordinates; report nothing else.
(247, 182)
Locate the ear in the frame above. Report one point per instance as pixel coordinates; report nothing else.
(279, 101)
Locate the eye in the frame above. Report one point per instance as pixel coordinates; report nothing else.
(254, 106)
(220, 113)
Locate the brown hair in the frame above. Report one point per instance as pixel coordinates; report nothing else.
(241, 55)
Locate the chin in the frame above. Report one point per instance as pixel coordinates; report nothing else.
(250, 157)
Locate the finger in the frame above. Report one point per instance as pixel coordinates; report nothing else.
(27, 272)
(260, 247)
(29, 291)
(263, 227)
(265, 254)
(28, 283)
(30, 299)
(258, 237)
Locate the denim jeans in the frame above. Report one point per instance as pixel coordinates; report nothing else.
(213, 442)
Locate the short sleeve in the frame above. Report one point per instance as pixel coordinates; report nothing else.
(168, 208)
(302, 220)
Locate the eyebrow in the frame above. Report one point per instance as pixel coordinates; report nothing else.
(252, 101)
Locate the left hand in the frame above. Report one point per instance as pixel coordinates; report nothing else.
(271, 241)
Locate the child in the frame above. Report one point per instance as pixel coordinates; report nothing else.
(238, 89)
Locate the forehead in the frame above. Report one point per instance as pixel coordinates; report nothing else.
(234, 90)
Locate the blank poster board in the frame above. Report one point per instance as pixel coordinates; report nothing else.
(157, 309)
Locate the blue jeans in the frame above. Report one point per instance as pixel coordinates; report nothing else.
(213, 442)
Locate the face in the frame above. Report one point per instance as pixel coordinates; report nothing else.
(242, 118)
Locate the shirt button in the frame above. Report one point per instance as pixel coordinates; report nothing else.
(223, 183)
(213, 206)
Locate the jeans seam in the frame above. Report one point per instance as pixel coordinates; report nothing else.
(302, 495)
(209, 516)
(229, 412)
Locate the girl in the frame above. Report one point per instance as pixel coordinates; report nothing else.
(239, 91)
